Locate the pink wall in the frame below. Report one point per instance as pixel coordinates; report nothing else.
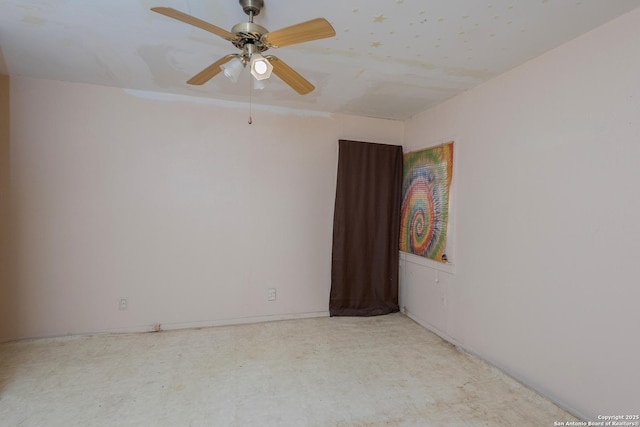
(177, 205)
(547, 222)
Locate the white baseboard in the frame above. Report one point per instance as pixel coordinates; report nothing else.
(239, 321)
(211, 323)
(432, 328)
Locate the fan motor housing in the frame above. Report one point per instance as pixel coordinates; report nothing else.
(248, 32)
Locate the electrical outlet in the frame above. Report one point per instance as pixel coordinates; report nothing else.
(271, 294)
(122, 305)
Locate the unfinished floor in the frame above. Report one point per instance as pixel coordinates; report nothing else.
(378, 371)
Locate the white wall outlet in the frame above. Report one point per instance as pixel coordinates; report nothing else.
(271, 294)
(122, 304)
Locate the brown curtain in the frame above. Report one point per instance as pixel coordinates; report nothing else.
(366, 227)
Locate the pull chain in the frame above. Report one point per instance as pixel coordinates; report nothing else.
(250, 99)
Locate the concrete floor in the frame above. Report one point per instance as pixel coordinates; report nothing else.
(378, 371)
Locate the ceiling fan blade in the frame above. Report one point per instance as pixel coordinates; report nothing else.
(290, 76)
(180, 16)
(315, 29)
(208, 73)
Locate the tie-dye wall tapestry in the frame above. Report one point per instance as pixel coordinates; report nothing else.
(426, 181)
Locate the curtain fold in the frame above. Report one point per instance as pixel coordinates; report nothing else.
(366, 227)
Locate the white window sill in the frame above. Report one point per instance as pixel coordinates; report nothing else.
(446, 267)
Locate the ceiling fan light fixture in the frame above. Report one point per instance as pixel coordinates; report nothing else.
(232, 69)
(261, 68)
(260, 84)
(252, 39)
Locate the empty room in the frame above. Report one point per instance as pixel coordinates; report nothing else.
(333, 213)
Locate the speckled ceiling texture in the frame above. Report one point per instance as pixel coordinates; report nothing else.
(389, 59)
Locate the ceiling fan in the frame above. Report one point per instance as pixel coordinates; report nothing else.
(253, 39)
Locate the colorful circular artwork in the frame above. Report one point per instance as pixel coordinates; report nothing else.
(425, 201)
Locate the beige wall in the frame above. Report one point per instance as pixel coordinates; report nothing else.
(7, 297)
(176, 204)
(547, 230)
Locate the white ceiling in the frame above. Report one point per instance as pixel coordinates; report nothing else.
(390, 58)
